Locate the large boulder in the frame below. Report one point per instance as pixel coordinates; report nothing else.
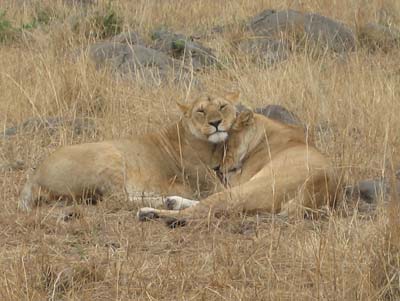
(182, 47)
(118, 54)
(128, 37)
(330, 33)
(297, 26)
(271, 23)
(135, 61)
(264, 50)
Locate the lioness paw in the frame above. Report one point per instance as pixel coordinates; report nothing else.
(178, 203)
(146, 213)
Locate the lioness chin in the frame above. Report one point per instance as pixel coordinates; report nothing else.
(271, 168)
(175, 160)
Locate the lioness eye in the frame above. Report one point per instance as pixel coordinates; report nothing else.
(222, 107)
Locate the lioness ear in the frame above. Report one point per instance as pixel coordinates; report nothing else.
(184, 107)
(232, 97)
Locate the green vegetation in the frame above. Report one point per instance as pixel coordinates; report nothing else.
(105, 24)
(7, 31)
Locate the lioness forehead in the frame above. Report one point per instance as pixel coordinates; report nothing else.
(207, 100)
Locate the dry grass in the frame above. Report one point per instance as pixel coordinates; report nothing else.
(103, 253)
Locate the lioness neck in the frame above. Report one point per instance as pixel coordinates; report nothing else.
(192, 158)
(271, 139)
(179, 142)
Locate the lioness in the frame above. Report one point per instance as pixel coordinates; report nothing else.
(271, 168)
(176, 160)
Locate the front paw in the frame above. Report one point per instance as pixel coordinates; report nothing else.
(171, 203)
(178, 203)
(146, 213)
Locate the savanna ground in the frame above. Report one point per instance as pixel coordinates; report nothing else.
(102, 252)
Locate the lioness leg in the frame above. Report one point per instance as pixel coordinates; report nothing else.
(178, 203)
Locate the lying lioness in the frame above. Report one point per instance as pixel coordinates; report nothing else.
(176, 160)
(270, 167)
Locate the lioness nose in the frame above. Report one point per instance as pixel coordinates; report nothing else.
(215, 123)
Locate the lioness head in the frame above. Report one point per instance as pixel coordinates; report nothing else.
(241, 137)
(210, 117)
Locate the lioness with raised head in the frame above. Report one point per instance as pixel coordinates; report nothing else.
(176, 160)
(270, 167)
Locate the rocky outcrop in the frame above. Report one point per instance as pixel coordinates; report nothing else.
(303, 27)
(185, 48)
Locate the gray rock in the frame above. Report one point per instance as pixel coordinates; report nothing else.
(368, 190)
(330, 33)
(119, 53)
(376, 36)
(271, 23)
(129, 37)
(265, 50)
(50, 124)
(372, 190)
(280, 113)
(297, 26)
(221, 29)
(276, 112)
(164, 40)
(134, 60)
(182, 47)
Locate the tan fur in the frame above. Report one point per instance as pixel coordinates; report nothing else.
(272, 168)
(175, 160)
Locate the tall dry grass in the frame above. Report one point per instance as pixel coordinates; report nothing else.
(104, 253)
